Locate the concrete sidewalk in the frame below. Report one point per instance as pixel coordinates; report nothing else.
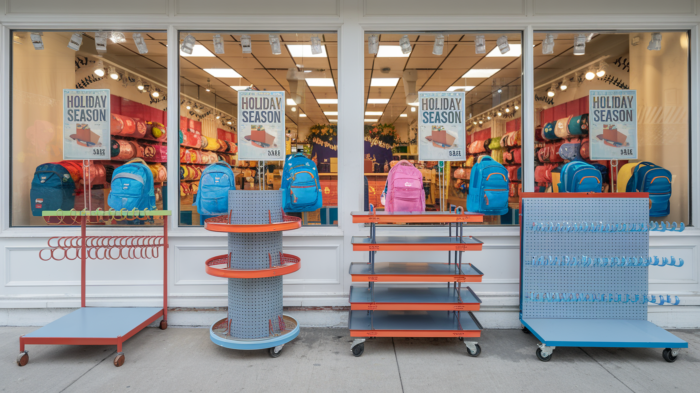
(319, 360)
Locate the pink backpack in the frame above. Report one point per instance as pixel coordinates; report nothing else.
(404, 189)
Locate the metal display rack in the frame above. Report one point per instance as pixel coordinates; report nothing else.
(584, 273)
(254, 267)
(382, 310)
(101, 325)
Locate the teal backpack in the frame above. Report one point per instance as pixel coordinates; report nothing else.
(212, 196)
(302, 189)
(579, 176)
(488, 188)
(132, 187)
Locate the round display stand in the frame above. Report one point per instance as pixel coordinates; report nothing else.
(217, 333)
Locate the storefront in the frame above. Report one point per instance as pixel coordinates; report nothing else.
(351, 73)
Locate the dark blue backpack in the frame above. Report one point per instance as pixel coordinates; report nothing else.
(212, 196)
(655, 180)
(52, 189)
(579, 176)
(488, 188)
(302, 189)
(132, 187)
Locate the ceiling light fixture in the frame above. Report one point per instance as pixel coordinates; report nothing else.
(516, 106)
(373, 113)
(198, 51)
(218, 44)
(590, 74)
(480, 73)
(655, 43)
(377, 100)
(481, 121)
(507, 110)
(99, 68)
(550, 92)
(139, 84)
(383, 82)
(580, 45)
(140, 43)
(113, 73)
(229, 122)
(155, 93)
(76, 40)
(330, 113)
(391, 51)
(188, 44)
(372, 44)
(275, 44)
(291, 102)
(302, 115)
(218, 116)
(480, 44)
(455, 88)
(294, 109)
(320, 82)
(564, 85)
(37, 41)
(548, 44)
(488, 116)
(306, 51)
(333, 120)
(222, 72)
(316, 48)
(117, 37)
(499, 113)
(188, 106)
(371, 120)
(101, 42)
(208, 88)
(403, 115)
(502, 43)
(439, 44)
(405, 45)
(601, 70)
(239, 88)
(246, 44)
(327, 101)
(413, 109)
(515, 51)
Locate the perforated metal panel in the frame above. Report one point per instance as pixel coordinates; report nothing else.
(255, 304)
(592, 279)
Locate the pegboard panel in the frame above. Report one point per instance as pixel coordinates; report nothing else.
(592, 279)
(249, 251)
(252, 305)
(252, 207)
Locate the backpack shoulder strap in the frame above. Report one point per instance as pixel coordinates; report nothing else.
(136, 160)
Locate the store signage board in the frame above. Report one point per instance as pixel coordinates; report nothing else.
(613, 124)
(86, 122)
(441, 132)
(261, 125)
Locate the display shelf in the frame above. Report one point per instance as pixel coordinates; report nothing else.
(414, 272)
(219, 267)
(383, 217)
(401, 298)
(221, 224)
(218, 335)
(415, 243)
(413, 324)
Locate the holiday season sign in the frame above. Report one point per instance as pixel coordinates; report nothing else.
(86, 121)
(441, 132)
(261, 125)
(613, 124)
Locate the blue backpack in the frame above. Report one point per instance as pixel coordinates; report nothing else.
(579, 176)
(655, 180)
(302, 189)
(132, 187)
(52, 189)
(488, 188)
(212, 196)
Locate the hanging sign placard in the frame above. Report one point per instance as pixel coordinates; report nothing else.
(613, 124)
(441, 132)
(261, 125)
(86, 121)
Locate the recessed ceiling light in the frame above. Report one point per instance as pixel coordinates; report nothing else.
(373, 113)
(239, 88)
(403, 115)
(333, 120)
(515, 51)
(327, 100)
(370, 120)
(291, 102)
(305, 51)
(222, 72)
(480, 73)
(459, 88)
(302, 115)
(383, 82)
(413, 104)
(198, 51)
(330, 113)
(378, 101)
(391, 51)
(320, 82)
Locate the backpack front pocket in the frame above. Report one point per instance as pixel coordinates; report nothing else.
(495, 199)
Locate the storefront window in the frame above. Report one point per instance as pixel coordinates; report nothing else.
(124, 75)
(216, 69)
(619, 102)
(398, 66)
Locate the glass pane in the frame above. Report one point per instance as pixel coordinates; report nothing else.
(615, 100)
(210, 83)
(491, 81)
(44, 176)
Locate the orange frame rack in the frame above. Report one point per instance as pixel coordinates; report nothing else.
(101, 325)
(381, 310)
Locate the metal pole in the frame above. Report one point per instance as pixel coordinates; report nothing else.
(83, 257)
(165, 268)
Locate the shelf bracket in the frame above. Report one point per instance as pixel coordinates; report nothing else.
(546, 351)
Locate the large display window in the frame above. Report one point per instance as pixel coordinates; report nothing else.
(218, 67)
(618, 101)
(129, 69)
(486, 67)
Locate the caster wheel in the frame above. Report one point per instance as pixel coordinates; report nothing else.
(119, 360)
(358, 350)
(460, 338)
(163, 325)
(476, 353)
(273, 354)
(526, 330)
(667, 354)
(542, 358)
(23, 359)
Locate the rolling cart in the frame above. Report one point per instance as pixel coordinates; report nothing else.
(378, 309)
(584, 273)
(101, 325)
(254, 267)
